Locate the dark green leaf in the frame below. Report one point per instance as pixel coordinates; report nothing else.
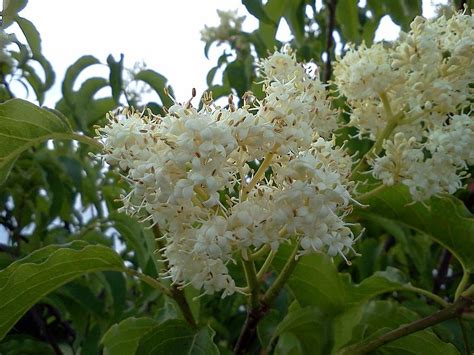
(379, 317)
(115, 78)
(32, 35)
(176, 337)
(445, 219)
(123, 338)
(255, 7)
(27, 280)
(310, 326)
(157, 83)
(71, 75)
(21, 345)
(377, 284)
(10, 10)
(315, 281)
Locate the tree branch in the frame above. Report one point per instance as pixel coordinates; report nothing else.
(331, 4)
(452, 311)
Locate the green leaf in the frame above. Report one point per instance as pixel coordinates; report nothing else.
(275, 9)
(378, 317)
(115, 78)
(35, 82)
(31, 34)
(176, 337)
(71, 75)
(255, 7)
(137, 239)
(295, 17)
(236, 74)
(157, 82)
(23, 125)
(402, 12)
(27, 280)
(315, 281)
(377, 284)
(10, 9)
(22, 344)
(347, 16)
(310, 326)
(445, 219)
(123, 338)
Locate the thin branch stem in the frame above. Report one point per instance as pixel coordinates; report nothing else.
(452, 311)
(149, 281)
(427, 294)
(255, 314)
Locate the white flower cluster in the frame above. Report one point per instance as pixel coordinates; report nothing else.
(421, 85)
(230, 24)
(225, 182)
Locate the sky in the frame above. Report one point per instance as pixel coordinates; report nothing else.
(163, 34)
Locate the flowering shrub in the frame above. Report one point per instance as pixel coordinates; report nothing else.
(267, 202)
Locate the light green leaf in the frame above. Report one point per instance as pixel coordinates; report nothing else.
(123, 338)
(445, 219)
(23, 125)
(176, 337)
(27, 280)
(347, 16)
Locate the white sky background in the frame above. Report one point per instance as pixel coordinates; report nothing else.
(163, 34)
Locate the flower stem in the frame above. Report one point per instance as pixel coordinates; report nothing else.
(392, 122)
(426, 293)
(174, 291)
(266, 265)
(258, 175)
(260, 252)
(368, 194)
(252, 282)
(285, 273)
